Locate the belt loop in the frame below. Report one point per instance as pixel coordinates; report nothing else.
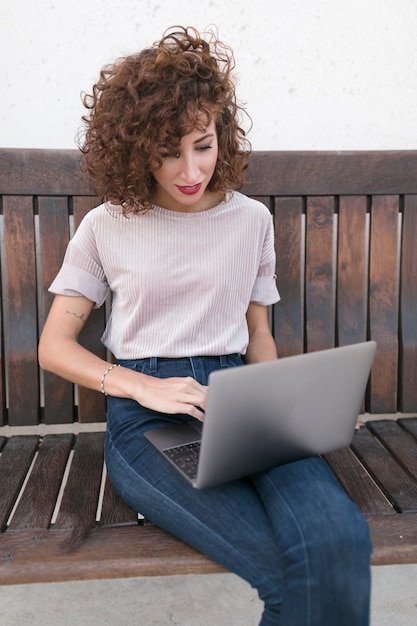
(153, 365)
(223, 361)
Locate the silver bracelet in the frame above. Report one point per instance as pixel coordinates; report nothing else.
(108, 370)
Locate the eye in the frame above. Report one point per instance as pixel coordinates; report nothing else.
(169, 155)
(204, 148)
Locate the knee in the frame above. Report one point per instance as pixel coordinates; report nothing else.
(352, 527)
(345, 538)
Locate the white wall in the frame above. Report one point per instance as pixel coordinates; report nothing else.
(315, 74)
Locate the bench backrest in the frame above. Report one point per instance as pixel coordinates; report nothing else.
(346, 232)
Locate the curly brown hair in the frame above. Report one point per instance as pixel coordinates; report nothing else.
(143, 104)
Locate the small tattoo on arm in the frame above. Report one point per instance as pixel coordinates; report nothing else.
(80, 317)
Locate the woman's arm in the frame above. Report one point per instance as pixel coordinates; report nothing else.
(261, 342)
(60, 353)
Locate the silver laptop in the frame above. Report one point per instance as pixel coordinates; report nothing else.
(262, 415)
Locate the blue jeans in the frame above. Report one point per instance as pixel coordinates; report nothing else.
(291, 532)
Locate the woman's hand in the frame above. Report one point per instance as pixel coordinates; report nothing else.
(172, 395)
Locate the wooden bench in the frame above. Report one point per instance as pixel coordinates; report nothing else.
(346, 232)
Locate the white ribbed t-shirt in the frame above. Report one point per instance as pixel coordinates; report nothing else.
(181, 282)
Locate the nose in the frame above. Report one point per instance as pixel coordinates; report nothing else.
(189, 169)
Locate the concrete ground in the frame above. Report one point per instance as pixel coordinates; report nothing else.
(215, 599)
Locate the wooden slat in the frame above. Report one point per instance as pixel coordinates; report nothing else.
(3, 398)
(21, 333)
(114, 511)
(401, 445)
(357, 482)
(352, 271)
(395, 483)
(54, 235)
(300, 173)
(15, 461)
(319, 274)
(288, 319)
(410, 425)
(148, 551)
(408, 308)
(80, 499)
(91, 405)
(106, 553)
(38, 500)
(383, 303)
(394, 538)
(42, 172)
(304, 173)
(3, 390)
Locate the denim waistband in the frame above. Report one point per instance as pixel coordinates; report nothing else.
(153, 361)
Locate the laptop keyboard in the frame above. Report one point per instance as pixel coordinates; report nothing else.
(185, 457)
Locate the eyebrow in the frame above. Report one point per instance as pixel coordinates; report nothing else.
(209, 135)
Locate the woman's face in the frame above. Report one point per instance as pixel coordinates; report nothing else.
(181, 182)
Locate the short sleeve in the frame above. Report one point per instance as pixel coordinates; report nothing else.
(265, 290)
(81, 273)
(74, 281)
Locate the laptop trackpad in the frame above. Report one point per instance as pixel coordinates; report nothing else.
(175, 435)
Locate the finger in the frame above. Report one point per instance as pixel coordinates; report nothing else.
(197, 413)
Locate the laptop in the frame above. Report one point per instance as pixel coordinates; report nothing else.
(266, 414)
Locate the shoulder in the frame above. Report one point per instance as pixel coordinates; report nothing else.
(103, 216)
(239, 199)
(104, 211)
(248, 206)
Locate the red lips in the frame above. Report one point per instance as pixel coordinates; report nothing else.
(190, 190)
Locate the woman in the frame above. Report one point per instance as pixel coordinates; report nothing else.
(189, 262)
